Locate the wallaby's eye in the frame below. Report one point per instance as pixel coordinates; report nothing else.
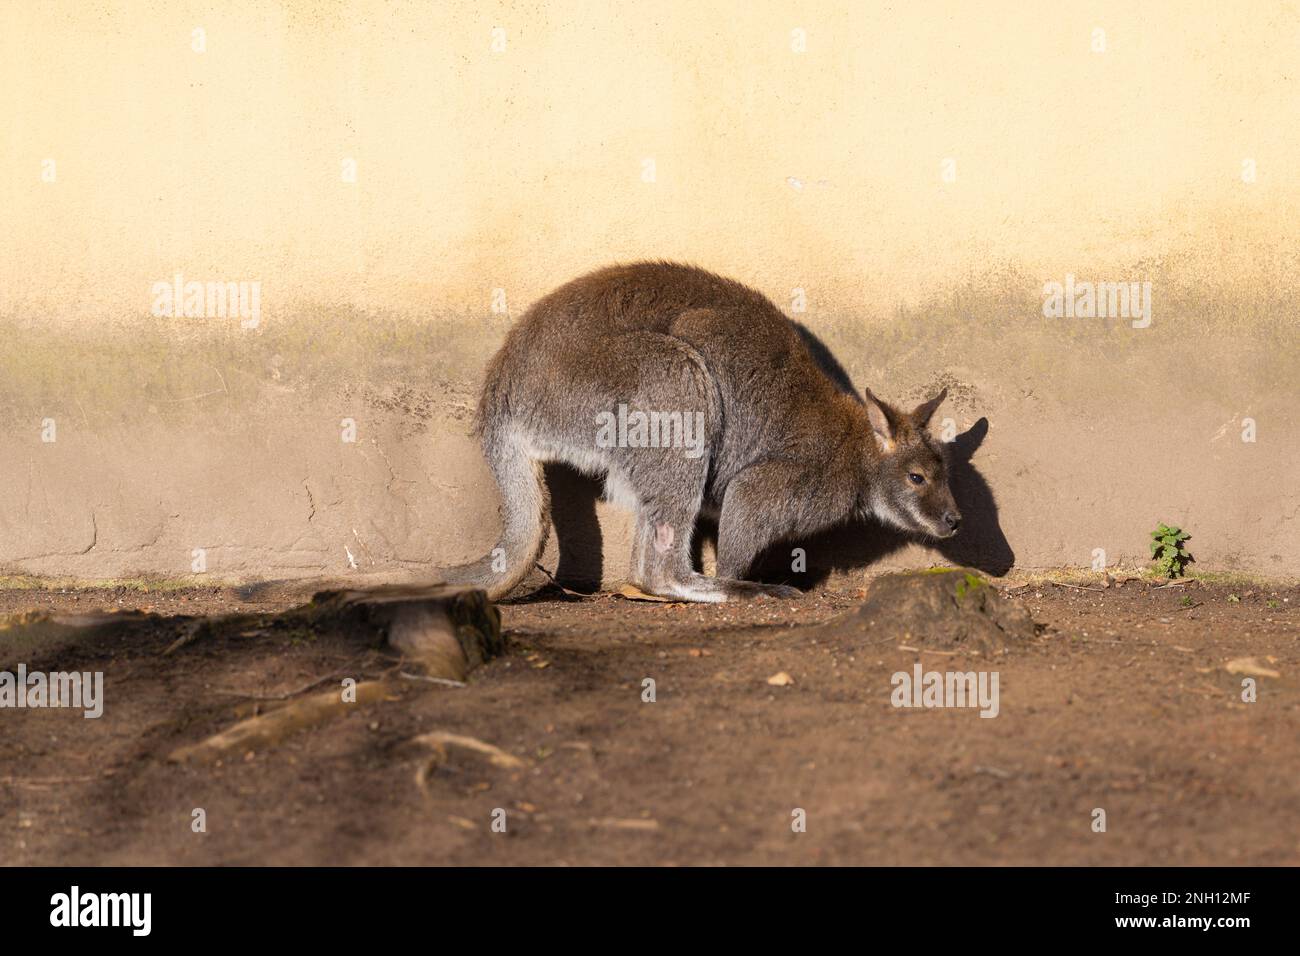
(916, 479)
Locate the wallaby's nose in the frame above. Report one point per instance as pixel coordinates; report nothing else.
(952, 519)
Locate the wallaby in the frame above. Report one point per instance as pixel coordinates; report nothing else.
(690, 392)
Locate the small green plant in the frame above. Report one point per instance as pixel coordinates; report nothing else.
(1233, 599)
(1168, 550)
(969, 584)
(1187, 601)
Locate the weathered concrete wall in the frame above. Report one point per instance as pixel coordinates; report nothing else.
(918, 173)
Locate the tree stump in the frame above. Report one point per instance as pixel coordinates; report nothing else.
(946, 608)
(447, 631)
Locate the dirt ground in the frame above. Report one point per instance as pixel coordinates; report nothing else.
(1123, 703)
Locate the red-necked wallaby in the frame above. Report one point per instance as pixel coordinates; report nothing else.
(692, 392)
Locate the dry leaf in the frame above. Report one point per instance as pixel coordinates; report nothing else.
(633, 593)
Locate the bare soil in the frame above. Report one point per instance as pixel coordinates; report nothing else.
(1124, 702)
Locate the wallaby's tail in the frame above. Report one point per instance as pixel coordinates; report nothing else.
(525, 516)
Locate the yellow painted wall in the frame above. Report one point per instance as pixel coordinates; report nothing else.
(517, 169)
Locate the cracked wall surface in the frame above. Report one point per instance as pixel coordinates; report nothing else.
(905, 187)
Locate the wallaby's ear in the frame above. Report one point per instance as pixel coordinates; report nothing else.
(884, 420)
(921, 414)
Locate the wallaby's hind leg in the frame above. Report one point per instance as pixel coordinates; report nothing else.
(661, 554)
(661, 560)
(669, 488)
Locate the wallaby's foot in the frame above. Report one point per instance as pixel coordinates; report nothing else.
(707, 590)
(782, 592)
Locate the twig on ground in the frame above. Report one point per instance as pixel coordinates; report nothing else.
(432, 680)
(43, 783)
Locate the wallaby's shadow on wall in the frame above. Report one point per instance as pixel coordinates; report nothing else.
(980, 544)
